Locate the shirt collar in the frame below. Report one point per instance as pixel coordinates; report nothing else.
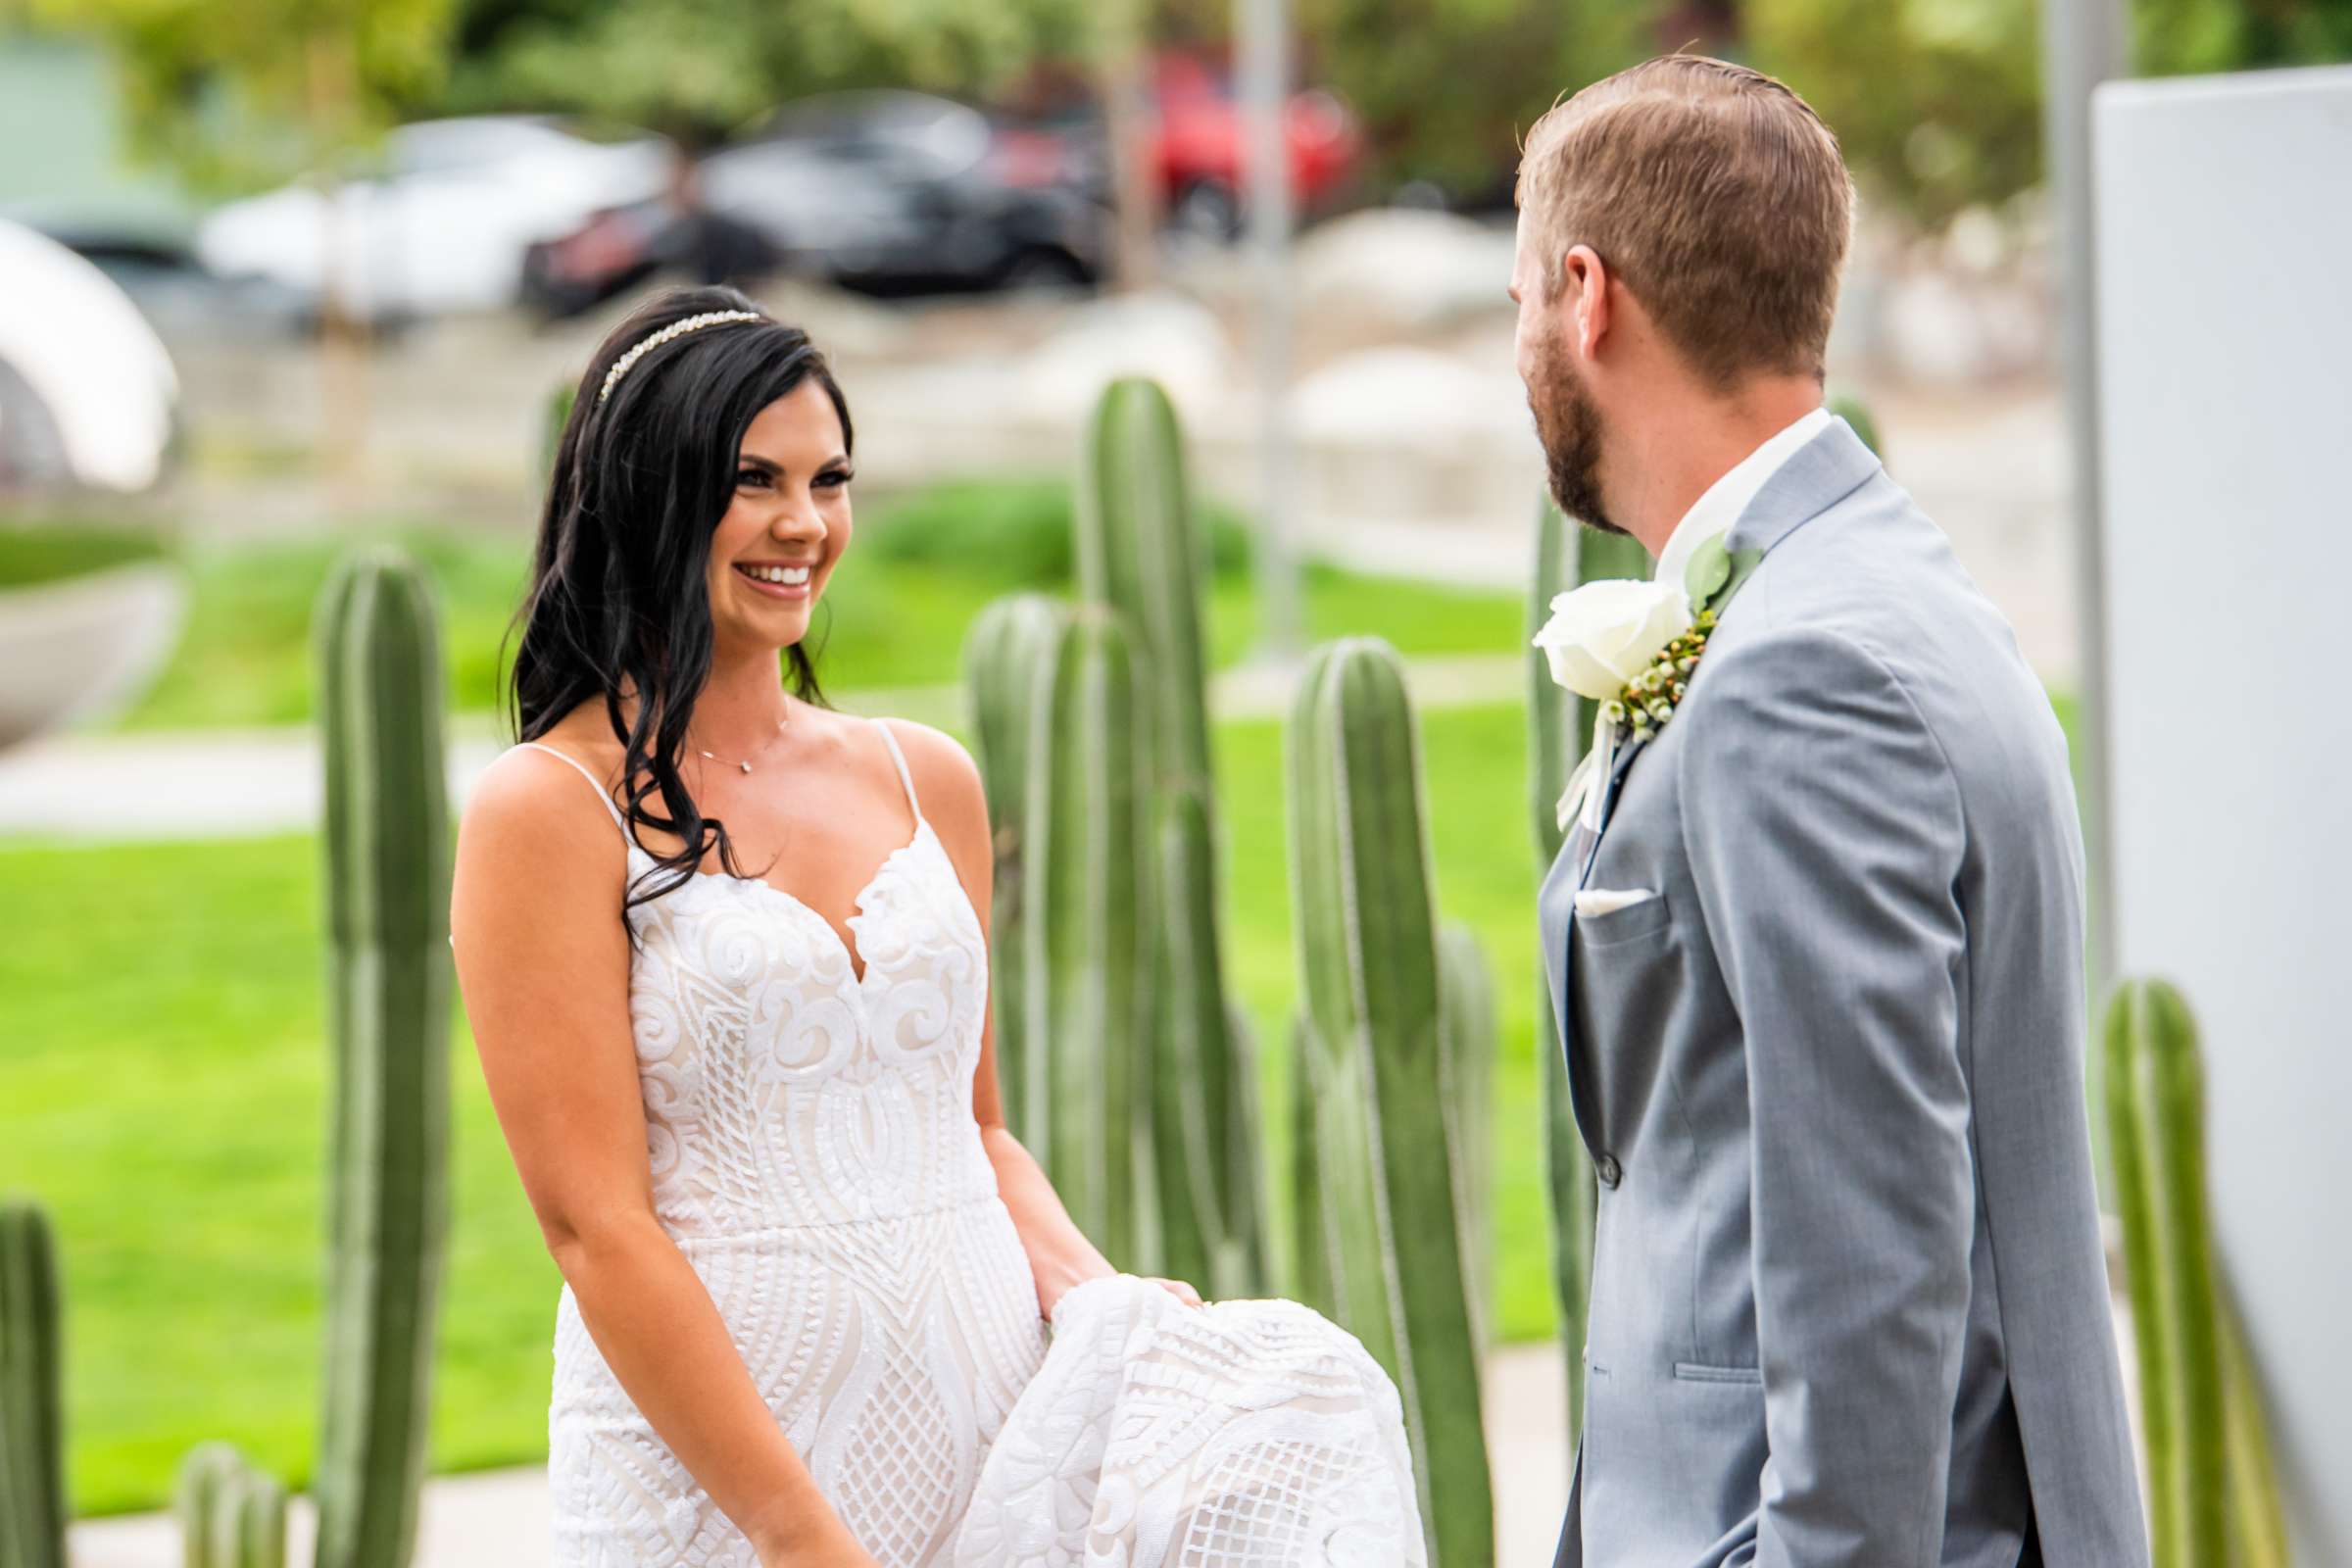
(1714, 513)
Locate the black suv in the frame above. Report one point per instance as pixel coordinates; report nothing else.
(884, 191)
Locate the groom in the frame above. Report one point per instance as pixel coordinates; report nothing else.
(1815, 940)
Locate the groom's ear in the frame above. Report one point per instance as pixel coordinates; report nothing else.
(1585, 296)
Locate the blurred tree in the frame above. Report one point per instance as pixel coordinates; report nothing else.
(284, 87)
(1447, 88)
(700, 70)
(1938, 105)
(2173, 37)
(1937, 102)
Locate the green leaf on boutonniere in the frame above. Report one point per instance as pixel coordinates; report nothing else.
(1743, 564)
(1710, 569)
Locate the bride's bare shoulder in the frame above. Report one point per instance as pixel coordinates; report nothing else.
(945, 775)
(530, 805)
(948, 782)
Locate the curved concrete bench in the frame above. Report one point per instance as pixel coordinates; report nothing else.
(84, 647)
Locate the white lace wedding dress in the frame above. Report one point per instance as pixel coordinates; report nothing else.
(814, 1155)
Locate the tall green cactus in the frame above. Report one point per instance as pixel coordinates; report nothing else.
(1005, 674)
(388, 980)
(1469, 1035)
(1139, 551)
(1559, 728)
(1087, 940)
(1368, 959)
(2212, 1488)
(32, 1482)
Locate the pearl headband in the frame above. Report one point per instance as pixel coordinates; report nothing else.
(645, 346)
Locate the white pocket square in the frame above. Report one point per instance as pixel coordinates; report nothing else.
(1608, 901)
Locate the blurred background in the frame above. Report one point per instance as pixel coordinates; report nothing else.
(284, 276)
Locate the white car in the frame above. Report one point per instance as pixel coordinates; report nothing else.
(445, 226)
(88, 396)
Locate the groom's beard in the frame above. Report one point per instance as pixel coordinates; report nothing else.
(1568, 424)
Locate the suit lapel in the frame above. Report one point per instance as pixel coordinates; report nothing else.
(1819, 475)
(1576, 862)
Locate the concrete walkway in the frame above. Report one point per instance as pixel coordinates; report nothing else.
(230, 783)
(499, 1518)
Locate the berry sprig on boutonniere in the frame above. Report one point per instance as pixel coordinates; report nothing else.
(1633, 647)
(1649, 700)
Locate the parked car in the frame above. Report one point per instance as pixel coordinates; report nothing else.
(1198, 155)
(1201, 146)
(181, 297)
(88, 396)
(884, 191)
(444, 226)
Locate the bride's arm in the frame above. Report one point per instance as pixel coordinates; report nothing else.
(1059, 1255)
(544, 967)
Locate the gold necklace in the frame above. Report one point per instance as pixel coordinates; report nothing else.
(746, 766)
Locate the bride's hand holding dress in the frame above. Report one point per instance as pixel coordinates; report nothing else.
(1059, 1255)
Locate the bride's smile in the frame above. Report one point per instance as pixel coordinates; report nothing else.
(787, 524)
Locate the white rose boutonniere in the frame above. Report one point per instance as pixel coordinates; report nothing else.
(1631, 646)
(1604, 635)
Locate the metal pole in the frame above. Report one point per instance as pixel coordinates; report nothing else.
(2085, 43)
(1263, 27)
(1121, 77)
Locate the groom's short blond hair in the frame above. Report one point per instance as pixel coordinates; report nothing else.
(1714, 194)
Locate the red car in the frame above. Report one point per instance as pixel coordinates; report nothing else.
(1201, 146)
(1200, 149)
(1198, 152)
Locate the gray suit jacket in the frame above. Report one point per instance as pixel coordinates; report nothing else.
(1849, 1300)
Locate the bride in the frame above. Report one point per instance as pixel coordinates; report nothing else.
(724, 952)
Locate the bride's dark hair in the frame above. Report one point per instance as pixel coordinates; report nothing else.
(619, 598)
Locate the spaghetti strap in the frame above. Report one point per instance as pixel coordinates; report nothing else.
(581, 769)
(899, 758)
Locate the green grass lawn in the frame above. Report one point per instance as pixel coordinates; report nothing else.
(894, 616)
(164, 1085)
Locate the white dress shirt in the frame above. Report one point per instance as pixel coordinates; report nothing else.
(1714, 513)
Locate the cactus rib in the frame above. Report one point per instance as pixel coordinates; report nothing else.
(1368, 959)
(1002, 658)
(1088, 937)
(32, 1488)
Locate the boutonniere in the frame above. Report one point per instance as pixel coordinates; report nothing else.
(1633, 647)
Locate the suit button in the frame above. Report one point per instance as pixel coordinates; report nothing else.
(1609, 1170)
